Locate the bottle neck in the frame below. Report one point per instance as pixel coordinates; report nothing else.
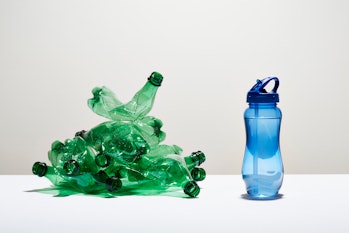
(262, 105)
(140, 105)
(195, 159)
(155, 79)
(149, 87)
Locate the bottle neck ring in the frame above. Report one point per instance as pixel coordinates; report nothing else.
(262, 105)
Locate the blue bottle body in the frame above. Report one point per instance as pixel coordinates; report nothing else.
(262, 169)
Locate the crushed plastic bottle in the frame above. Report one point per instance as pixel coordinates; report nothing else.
(123, 155)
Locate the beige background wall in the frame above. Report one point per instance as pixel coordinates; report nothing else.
(52, 53)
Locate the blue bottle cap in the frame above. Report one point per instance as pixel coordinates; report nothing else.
(258, 94)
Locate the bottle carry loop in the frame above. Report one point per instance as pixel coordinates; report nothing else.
(261, 84)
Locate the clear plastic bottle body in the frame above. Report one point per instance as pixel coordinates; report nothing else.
(262, 169)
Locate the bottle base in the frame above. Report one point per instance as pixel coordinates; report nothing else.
(261, 197)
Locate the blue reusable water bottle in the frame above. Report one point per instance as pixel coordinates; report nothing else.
(262, 168)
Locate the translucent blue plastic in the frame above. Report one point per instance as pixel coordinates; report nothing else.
(262, 168)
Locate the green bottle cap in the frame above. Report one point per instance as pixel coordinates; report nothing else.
(191, 189)
(198, 174)
(113, 184)
(198, 156)
(39, 169)
(82, 133)
(102, 160)
(155, 79)
(71, 167)
(101, 176)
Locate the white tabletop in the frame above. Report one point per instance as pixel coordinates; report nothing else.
(310, 203)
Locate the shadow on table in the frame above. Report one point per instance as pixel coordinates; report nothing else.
(64, 192)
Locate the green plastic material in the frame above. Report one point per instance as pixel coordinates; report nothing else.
(123, 155)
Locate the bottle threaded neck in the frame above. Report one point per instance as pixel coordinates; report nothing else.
(102, 160)
(39, 169)
(198, 174)
(71, 167)
(198, 157)
(155, 79)
(191, 189)
(262, 105)
(113, 184)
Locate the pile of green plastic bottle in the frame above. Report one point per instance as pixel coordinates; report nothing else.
(124, 154)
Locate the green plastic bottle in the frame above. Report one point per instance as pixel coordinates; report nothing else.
(73, 157)
(123, 155)
(168, 172)
(193, 162)
(86, 183)
(106, 104)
